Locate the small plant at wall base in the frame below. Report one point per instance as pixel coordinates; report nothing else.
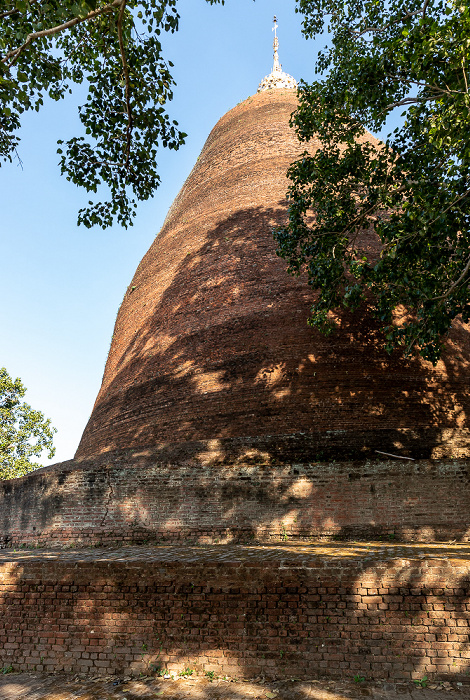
(159, 671)
(186, 673)
(421, 682)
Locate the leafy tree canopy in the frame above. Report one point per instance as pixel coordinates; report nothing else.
(48, 46)
(24, 432)
(413, 191)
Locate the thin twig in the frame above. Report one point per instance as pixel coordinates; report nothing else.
(20, 162)
(357, 219)
(127, 82)
(10, 12)
(412, 342)
(15, 10)
(464, 74)
(396, 456)
(15, 53)
(454, 284)
(384, 26)
(409, 101)
(409, 82)
(450, 206)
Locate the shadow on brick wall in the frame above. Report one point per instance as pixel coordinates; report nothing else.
(282, 612)
(222, 352)
(223, 416)
(133, 497)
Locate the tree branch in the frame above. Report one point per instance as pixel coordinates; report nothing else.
(389, 24)
(455, 283)
(15, 53)
(409, 101)
(15, 10)
(467, 192)
(408, 81)
(125, 68)
(464, 74)
(8, 13)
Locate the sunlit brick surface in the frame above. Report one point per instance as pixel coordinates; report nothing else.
(137, 497)
(211, 341)
(383, 611)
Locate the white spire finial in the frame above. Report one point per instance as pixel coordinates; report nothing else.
(276, 65)
(277, 78)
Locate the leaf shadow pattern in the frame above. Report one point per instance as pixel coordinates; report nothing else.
(396, 612)
(214, 346)
(135, 496)
(224, 417)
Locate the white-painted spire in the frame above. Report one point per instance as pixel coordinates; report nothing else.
(277, 78)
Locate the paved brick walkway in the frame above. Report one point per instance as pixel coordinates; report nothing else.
(61, 687)
(283, 554)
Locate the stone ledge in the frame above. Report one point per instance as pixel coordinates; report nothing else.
(132, 497)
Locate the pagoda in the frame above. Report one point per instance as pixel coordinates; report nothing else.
(211, 351)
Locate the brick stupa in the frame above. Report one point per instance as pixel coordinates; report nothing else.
(207, 448)
(222, 415)
(211, 352)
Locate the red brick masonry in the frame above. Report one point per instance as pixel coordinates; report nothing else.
(211, 341)
(138, 497)
(378, 610)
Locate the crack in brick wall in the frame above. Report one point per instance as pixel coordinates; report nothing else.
(134, 497)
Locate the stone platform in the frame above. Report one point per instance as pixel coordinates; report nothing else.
(382, 610)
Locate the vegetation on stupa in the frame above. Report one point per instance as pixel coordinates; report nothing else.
(24, 432)
(413, 192)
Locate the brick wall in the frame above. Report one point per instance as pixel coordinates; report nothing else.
(135, 497)
(392, 613)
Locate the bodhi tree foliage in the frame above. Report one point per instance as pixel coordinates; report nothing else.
(413, 191)
(49, 46)
(24, 432)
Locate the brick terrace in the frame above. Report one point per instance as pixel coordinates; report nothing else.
(214, 370)
(381, 610)
(133, 497)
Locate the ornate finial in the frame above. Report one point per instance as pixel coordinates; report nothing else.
(277, 78)
(276, 66)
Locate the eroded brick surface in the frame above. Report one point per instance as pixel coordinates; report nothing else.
(138, 496)
(379, 610)
(211, 341)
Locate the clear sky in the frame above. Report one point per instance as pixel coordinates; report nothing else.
(62, 284)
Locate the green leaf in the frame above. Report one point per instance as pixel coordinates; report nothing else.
(24, 432)
(412, 192)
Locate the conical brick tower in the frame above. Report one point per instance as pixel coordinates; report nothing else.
(217, 410)
(211, 353)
